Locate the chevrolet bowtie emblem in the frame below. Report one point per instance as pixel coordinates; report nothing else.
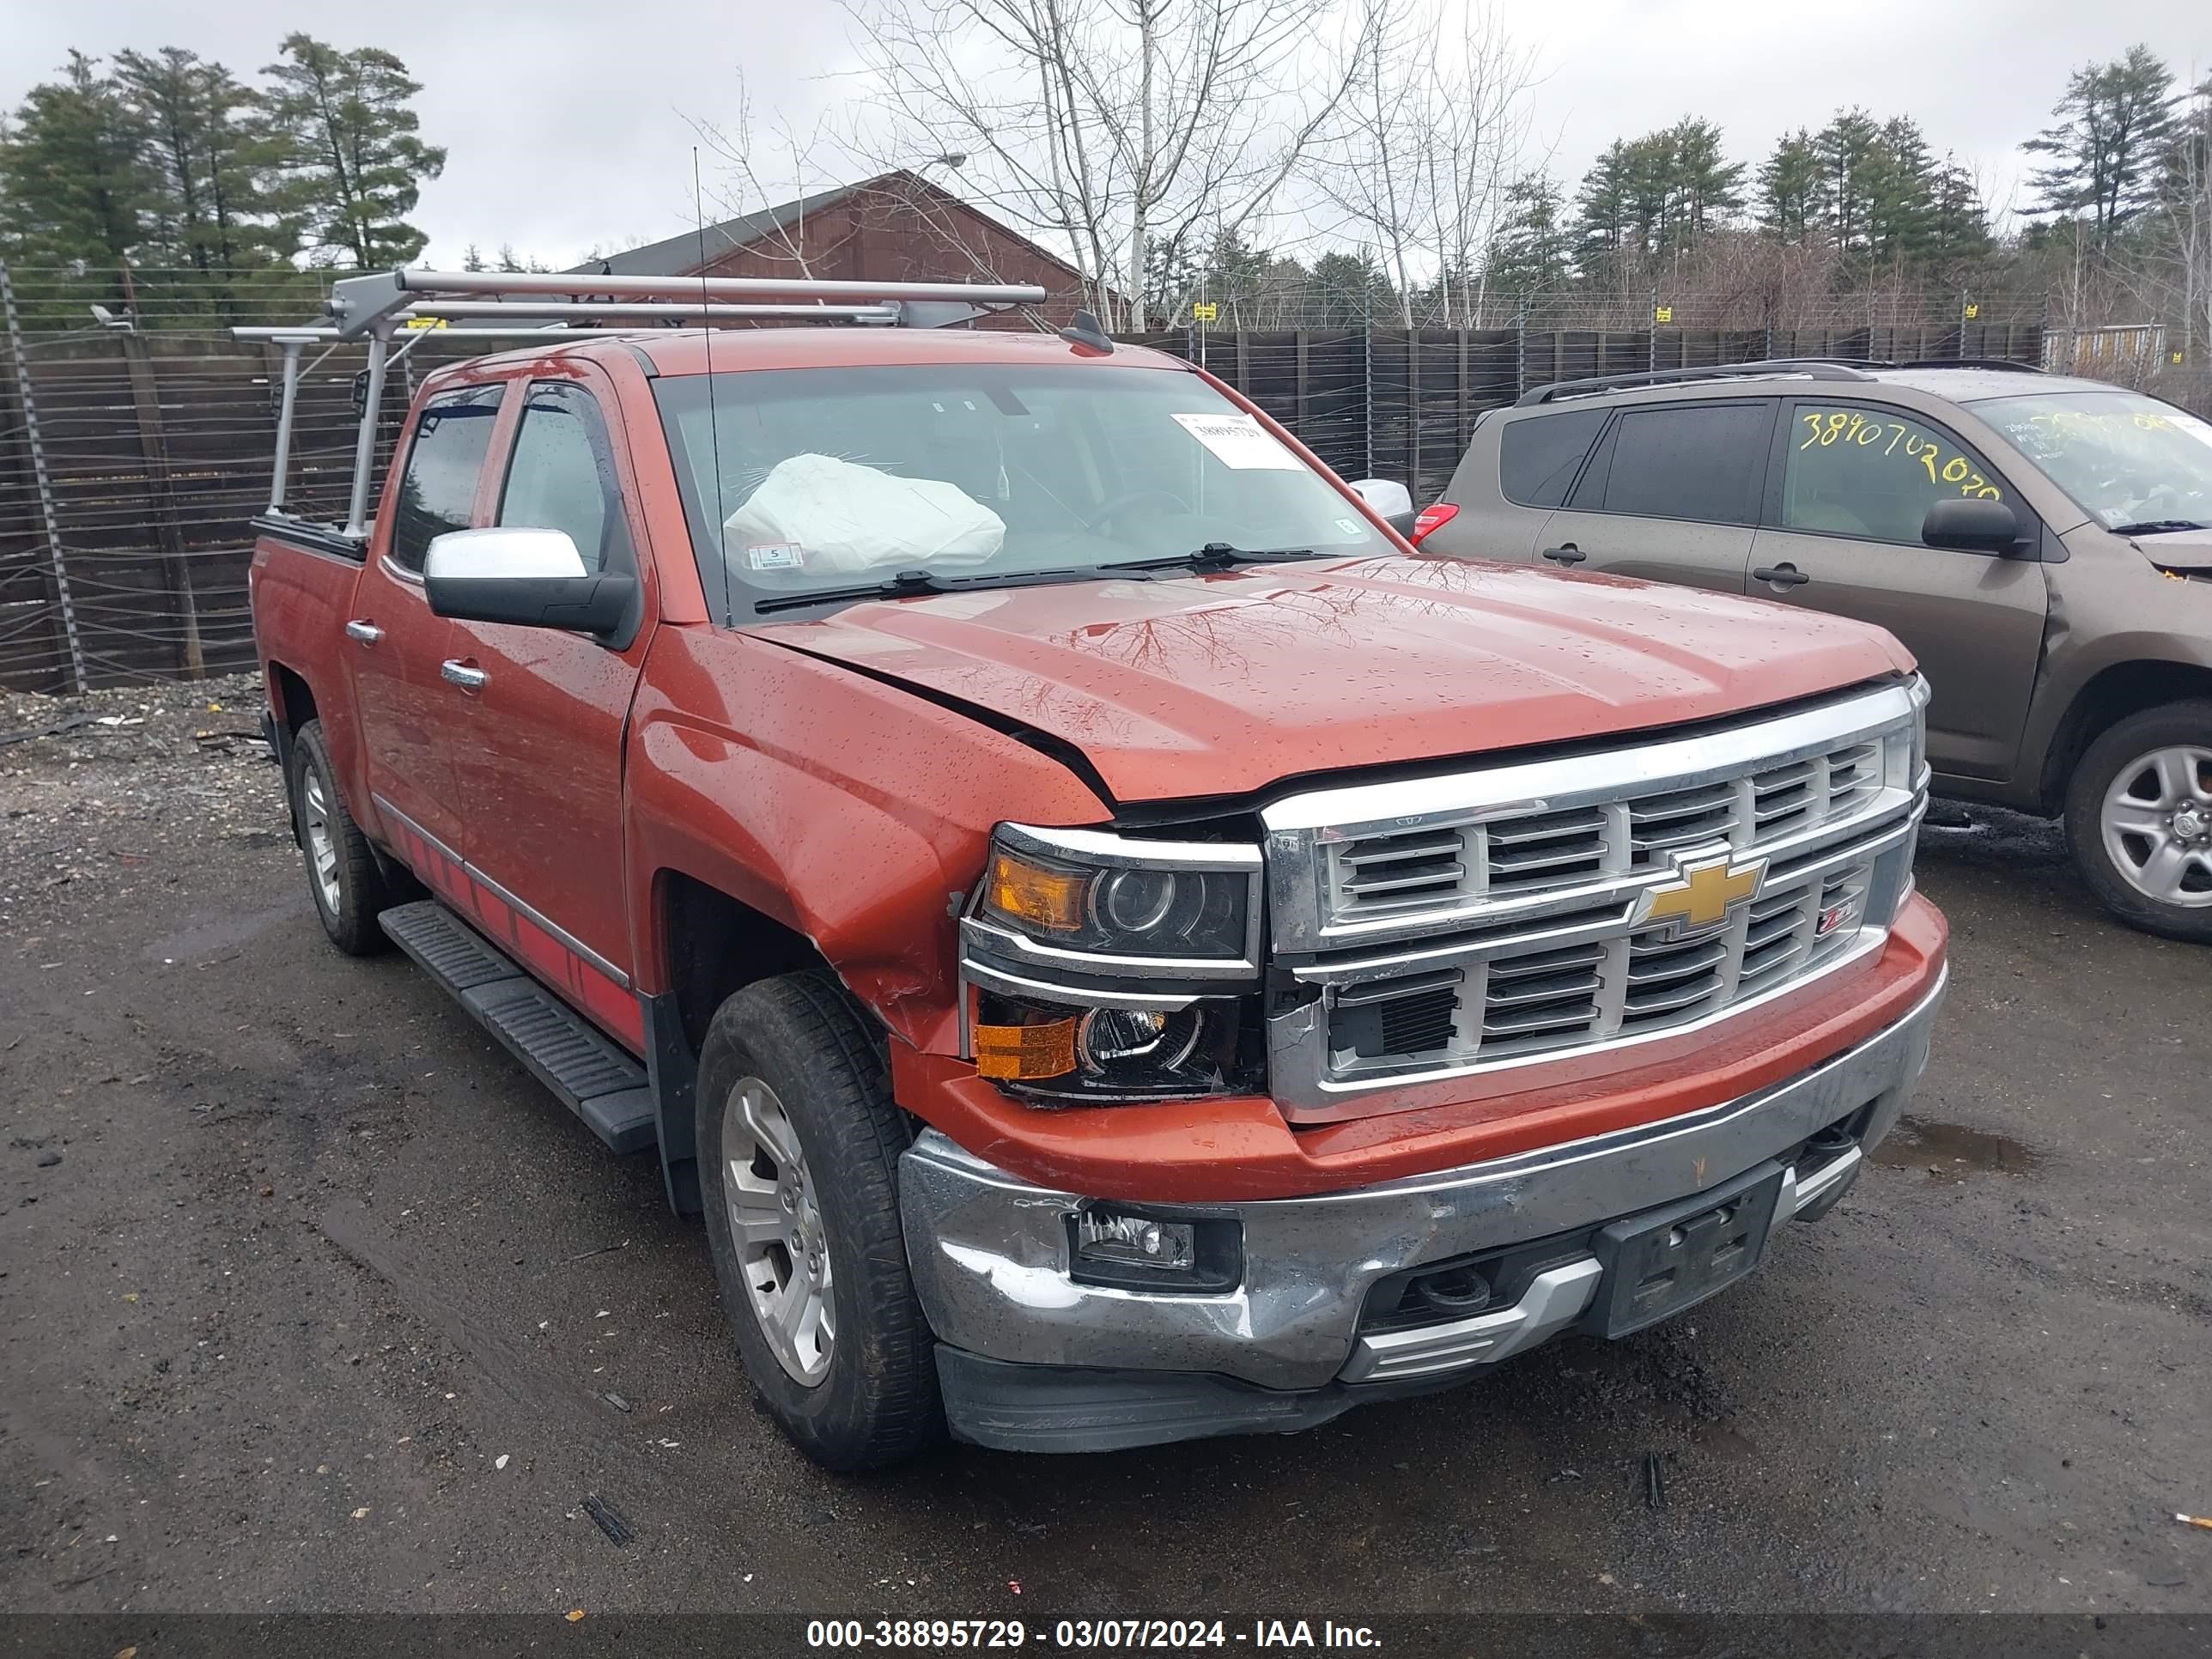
(1711, 886)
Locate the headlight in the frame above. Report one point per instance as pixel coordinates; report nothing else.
(1076, 901)
(1108, 967)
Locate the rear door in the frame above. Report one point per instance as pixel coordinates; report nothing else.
(1851, 483)
(397, 648)
(542, 776)
(1671, 494)
(1516, 473)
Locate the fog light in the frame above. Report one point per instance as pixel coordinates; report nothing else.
(1137, 1249)
(1135, 1241)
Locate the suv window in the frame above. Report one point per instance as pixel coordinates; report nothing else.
(1871, 473)
(562, 475)
(438, 491)
(1538, 455)
(1704, 461)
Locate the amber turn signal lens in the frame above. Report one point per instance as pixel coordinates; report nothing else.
(1026, 1051)
(1049, 899)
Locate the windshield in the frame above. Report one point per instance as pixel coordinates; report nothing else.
(2125, 458)
(800, 481)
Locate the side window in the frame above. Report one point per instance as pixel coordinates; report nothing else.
(438, 491)
(1538, 455)
(1703, 461)
(562, 475)
(1871, 473)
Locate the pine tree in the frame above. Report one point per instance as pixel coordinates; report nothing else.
(1790, 190)
(2115, 125)
(1846, 150)
(1532, 253)
(1605, 212)
(1900, 178)
(1350, 290)
(352, 165)
(204, 146)
(1704, 188)
(72, 188)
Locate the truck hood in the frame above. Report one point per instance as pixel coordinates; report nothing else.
(1217, 684)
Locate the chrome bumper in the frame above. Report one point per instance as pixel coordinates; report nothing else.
(989, 1252)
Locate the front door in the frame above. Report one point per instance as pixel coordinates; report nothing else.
(1842, 534)
(1670, 494)
(542, 777)
(395, 649)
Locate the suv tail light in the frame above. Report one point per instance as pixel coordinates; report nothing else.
(1432, 518)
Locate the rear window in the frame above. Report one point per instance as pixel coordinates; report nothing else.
(1703, 461)
(438, 491)
(1539, 455)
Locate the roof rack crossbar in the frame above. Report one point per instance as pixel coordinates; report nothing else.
(647, 310)
(360, 304)
(1812, 368)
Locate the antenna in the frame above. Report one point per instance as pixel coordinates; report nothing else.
(714, 420)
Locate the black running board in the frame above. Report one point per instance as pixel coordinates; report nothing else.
(595, 1079)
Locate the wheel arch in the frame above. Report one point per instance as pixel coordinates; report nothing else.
(2106, 698)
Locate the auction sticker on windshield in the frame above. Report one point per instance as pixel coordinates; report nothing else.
(1239, 441)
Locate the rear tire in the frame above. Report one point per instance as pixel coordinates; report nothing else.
(798, 1142)
(2139, 820)
(344, 877)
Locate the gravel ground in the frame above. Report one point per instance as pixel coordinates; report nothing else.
(312, 1301)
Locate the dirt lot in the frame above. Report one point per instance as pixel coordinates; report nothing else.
(310, 1299)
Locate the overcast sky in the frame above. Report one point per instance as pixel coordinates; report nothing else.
(566, 121)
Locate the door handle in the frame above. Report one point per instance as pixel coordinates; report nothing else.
(1565, 553)
(1782, 575)
(367, 632)
(457, 673)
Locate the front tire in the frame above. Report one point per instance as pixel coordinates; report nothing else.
(2139, 820)
(347, 883)
(798, 1142)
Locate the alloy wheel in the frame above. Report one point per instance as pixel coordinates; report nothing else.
(2157, 825)
(775, 1224)
(322, 848)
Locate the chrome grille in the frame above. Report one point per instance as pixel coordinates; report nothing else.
(1501, 924)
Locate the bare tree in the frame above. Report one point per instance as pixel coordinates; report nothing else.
(1434, 127)
(1104, 126)
(740, 188)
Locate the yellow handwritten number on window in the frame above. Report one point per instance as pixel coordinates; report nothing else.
(1825, 428)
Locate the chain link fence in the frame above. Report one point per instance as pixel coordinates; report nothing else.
(135, 442)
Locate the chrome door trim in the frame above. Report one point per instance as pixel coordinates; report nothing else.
(536, 917)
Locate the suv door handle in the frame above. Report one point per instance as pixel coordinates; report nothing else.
(457, 673)
(1782, 575)
(1565, 553)
(367, 632)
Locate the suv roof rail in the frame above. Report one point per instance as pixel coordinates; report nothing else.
(2001, 363)
(1812, 368)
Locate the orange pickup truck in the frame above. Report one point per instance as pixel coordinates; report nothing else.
(1116, 948)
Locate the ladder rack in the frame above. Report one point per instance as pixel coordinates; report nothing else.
(498, 304)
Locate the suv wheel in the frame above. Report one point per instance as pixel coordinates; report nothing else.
(799, 1142)
(2139, 819)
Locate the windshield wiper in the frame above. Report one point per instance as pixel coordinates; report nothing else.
(912, 583)
(1214, 556)
(2158, 527)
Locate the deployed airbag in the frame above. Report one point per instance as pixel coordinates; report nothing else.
(816, 512)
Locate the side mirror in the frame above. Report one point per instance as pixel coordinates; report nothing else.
(1390, 500)
(532, 578)
(1973, 524)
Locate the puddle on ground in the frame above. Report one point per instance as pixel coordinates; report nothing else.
(1953, 1151)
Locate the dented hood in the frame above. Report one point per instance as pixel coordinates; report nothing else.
(1216, 684)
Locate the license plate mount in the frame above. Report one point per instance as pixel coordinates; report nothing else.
(1661, 1262)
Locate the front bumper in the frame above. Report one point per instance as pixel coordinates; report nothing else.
(1030, 1358)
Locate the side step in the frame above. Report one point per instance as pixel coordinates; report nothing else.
(595, 1079)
